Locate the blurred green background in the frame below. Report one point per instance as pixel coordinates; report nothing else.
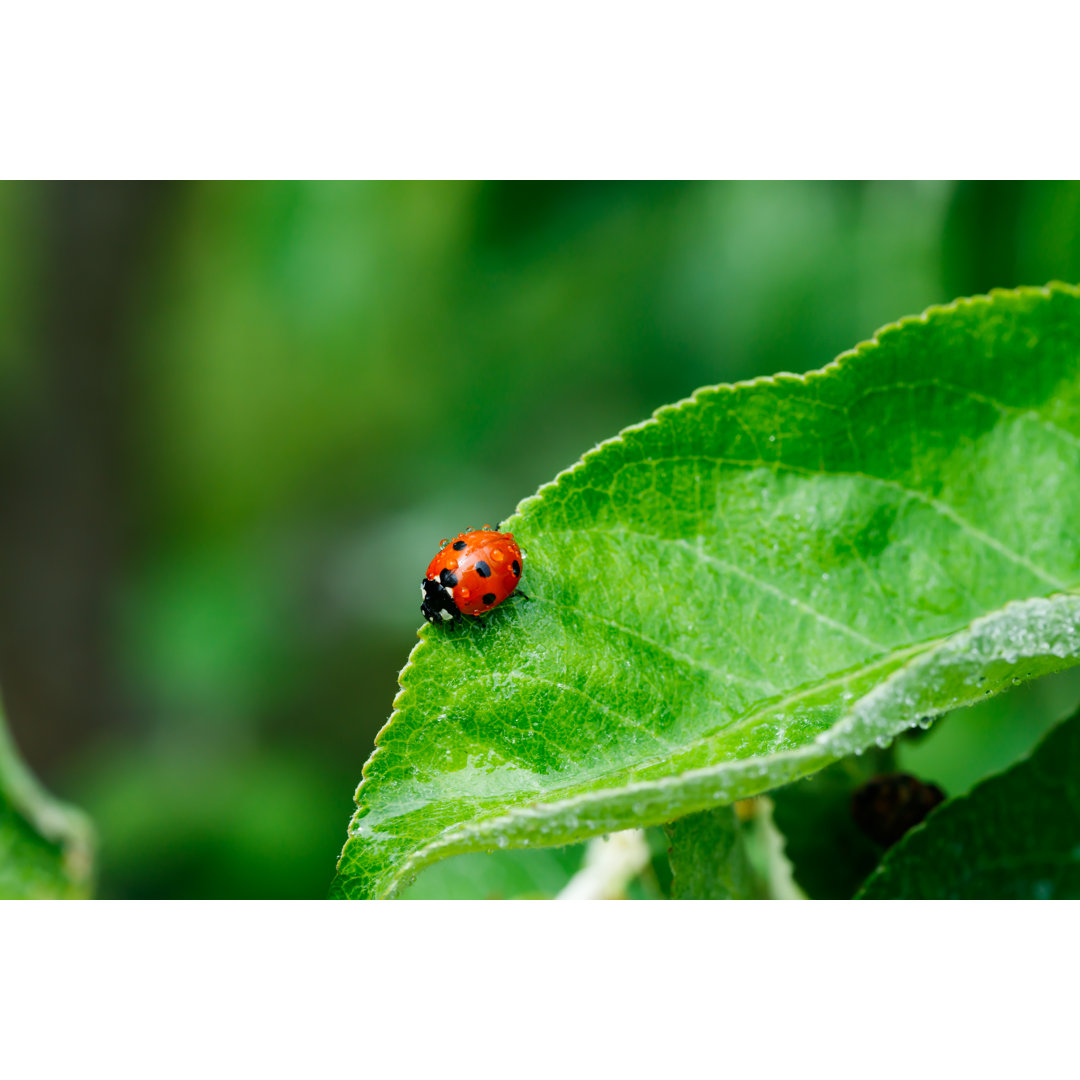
(236, 420)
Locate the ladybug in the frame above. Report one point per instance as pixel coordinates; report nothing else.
(480, 569)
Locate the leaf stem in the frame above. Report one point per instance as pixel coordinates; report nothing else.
(611, 863)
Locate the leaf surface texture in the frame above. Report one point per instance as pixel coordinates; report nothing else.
(752, 584)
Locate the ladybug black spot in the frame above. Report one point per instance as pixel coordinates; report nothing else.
(448, 578)
(483, 569)
(516, 567)
(489, 598)
(459, 545)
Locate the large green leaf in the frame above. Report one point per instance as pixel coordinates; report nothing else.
(750, 585)
(45, 846)
(1014, 837)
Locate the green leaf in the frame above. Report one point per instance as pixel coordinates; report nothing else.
(1014, 837)
(708, 858)
(45, 846)
(753, 583)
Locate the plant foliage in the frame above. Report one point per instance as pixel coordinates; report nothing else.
(1015, 836)
(709, 859)
(45, 846)
(748, 586)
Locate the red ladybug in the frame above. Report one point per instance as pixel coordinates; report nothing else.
(480, 569)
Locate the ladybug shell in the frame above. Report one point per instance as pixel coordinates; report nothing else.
(480, 569)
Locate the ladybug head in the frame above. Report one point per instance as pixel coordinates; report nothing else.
(438, 605)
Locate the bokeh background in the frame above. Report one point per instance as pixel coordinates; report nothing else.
(236, 420)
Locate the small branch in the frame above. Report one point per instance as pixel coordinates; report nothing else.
(773, 865)
(611, 863)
